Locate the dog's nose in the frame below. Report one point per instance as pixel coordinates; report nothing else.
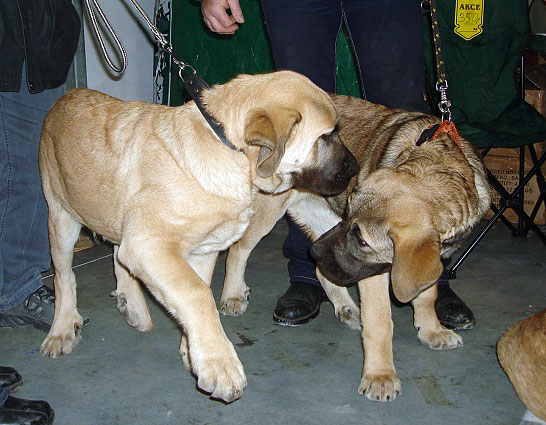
(350, 165)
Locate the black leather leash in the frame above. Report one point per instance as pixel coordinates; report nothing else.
(194, 83)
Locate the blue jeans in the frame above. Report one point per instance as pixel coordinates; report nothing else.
(387, 40)
(24, 243)
(3, 396)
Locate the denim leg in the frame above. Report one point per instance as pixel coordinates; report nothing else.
(3, 396)
(24, 244)
(303, 38)
(387, 38)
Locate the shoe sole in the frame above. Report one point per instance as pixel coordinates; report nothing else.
(296, 322)
(8, 321)
(459, 326)
(13, 387)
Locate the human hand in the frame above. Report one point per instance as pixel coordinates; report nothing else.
(217, 19)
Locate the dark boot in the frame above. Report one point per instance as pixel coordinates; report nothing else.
(16, 411)
(299, 304)
(452, 312)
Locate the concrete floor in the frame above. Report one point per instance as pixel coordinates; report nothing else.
(305, 375)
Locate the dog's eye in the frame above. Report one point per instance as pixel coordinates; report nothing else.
(355, 231)
(330, 137)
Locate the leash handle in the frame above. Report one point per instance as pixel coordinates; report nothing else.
(96, 30)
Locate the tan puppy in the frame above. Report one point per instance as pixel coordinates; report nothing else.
(410, 205)
(157, 182)
(522, 355)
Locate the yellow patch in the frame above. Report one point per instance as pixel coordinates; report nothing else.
(469, 18)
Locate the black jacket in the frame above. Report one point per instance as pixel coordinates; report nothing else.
(41, 33)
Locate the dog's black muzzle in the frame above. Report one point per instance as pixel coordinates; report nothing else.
(340, 261)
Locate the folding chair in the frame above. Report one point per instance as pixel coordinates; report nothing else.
(482, 44)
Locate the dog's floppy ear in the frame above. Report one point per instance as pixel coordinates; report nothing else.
(270, 130)
(416, 264)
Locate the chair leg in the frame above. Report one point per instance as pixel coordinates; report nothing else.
(514, 201)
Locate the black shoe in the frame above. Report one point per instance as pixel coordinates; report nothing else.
(10, 379)
(18, 411)
(299, 304)
(452, 312)
(37, 310)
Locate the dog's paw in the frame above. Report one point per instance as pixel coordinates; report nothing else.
(380, 387)
(136, 316)
(221, 376)
(350, 315)
(442, 339)
(235, 306)
(58, 343)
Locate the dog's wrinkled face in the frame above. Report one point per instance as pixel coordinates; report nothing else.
(385, 229)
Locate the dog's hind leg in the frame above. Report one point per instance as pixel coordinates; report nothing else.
(429, 329)
(159, 262)
(130, 300)
(268, 209)
(67, 322)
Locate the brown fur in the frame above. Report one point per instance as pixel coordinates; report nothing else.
(158, 183)
(522, 355)
(409, 206)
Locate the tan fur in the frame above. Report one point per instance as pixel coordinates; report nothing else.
(409, 204)
(158, 183)
(522, 355)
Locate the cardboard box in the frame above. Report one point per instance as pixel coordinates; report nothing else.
(504, 164)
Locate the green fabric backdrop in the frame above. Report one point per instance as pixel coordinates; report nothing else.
(218, 59)
(486, 105)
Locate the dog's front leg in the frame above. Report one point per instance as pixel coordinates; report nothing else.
(130, 300)
(160, 265)
(429, 329)
(344, 306)
(379, 380)
(203, 265)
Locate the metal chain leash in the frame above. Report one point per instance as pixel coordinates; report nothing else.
(441, 83)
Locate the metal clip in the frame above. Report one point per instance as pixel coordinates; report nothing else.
(444, 103)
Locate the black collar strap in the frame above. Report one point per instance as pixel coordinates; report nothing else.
(195, 85)
(427, 134)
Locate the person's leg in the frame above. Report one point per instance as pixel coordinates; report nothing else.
(388, 41)
(24, 244)
(303, 37)
(387, 38)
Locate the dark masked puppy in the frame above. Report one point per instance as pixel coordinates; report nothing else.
(157, 182)
(414, 200)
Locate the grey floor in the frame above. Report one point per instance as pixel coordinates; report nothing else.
(305, 375)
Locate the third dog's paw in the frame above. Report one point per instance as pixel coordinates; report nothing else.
(442, 339)
(380, 387)
(235, 306)
(350, 315)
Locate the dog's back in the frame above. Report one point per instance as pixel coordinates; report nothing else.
(522, 355)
